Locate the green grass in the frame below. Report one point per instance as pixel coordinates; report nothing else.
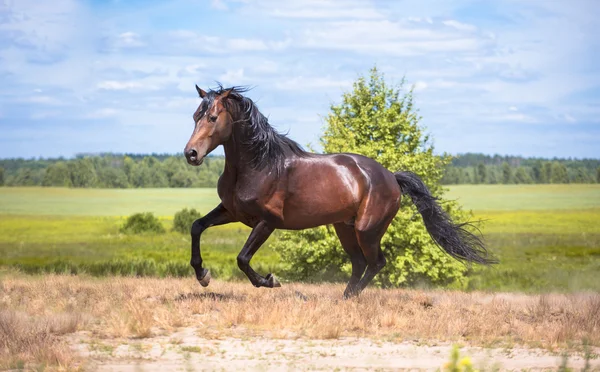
(546, 236)
(103, 202)
(541, 251)
(525, 197)
(68, 244)
(165, 202)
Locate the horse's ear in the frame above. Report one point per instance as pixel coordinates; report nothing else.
(225, 94)
(200, 92)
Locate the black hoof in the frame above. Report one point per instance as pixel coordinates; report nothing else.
(205, 279)
(350, 294)
(272, 281)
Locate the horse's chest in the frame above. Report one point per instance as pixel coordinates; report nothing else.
(242, 204)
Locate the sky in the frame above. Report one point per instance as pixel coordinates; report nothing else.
(497, 77)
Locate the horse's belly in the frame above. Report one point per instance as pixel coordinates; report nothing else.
(319, 208)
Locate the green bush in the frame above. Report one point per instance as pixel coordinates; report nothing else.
(142, 222)
(183, 220)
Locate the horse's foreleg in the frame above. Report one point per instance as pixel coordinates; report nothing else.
(258, 236)
(217, 216)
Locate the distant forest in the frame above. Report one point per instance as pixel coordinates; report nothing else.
(485, 169)
(167, 170)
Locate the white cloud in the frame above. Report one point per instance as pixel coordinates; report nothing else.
(233, 77)
(390, 38)
(420, 85)
(459, 25)
(218, 4)
(125, 85)
(102, 113)
(246, 45)
(569, 118)
(317, 9)
(129, 40)
(312, 82)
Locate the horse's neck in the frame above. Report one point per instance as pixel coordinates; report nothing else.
(236, 155)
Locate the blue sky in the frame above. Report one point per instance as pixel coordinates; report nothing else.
(507, 77)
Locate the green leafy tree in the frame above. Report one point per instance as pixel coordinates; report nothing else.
(547, 172)
(110, 177)
(381, 122)
(57, 174)
(1, 176)
(25, 177)
(507, 176)
(481, 173)
(559, 173)
(538, 176)
(598, 174)
(521, 176)
(491, 176)
(83, 173)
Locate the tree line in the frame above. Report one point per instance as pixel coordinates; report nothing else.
(167, 170)
(485, 169)
(111, 171)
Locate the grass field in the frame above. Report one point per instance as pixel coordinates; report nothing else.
(546, 236)
(165, 202)
(525, 197)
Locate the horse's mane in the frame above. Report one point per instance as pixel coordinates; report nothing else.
(267, 147)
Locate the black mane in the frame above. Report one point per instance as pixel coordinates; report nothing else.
(268, 147)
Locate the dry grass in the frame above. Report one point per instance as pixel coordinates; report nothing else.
(33, 340)
(36, 310)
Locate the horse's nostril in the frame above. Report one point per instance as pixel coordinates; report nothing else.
(192, 154)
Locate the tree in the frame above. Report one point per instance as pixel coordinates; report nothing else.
(113, 178)
(481, 173)
(83, 173)
(538, 175)
(521, 176)
(57, 174)
(375, 120)
(1, 176)
(547, 172)
(559, 173)
(506, 173)
(598, 174)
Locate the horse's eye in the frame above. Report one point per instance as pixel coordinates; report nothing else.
(212, 118)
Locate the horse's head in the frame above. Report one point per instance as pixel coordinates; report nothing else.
(213, 125)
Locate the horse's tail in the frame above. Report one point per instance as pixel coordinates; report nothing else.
(453, 238)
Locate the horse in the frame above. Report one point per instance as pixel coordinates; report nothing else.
(269, 182)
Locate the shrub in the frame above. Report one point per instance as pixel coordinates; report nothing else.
(183, 220)
(142, 222)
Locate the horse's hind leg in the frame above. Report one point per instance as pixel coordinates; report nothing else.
(370, 226)
(347, 236)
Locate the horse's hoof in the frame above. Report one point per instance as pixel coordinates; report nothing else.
(272, 281)
(205, 279)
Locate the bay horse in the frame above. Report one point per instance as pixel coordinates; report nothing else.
(269, 182)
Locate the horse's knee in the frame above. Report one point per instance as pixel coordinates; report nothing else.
(198, 227)
(243, 262)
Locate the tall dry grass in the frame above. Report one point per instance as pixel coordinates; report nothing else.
(35, 311)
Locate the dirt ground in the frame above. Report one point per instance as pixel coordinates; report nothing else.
(186, 350)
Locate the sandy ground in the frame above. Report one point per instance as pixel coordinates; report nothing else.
(186, 350)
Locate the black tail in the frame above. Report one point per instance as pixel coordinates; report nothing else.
(453, 238)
